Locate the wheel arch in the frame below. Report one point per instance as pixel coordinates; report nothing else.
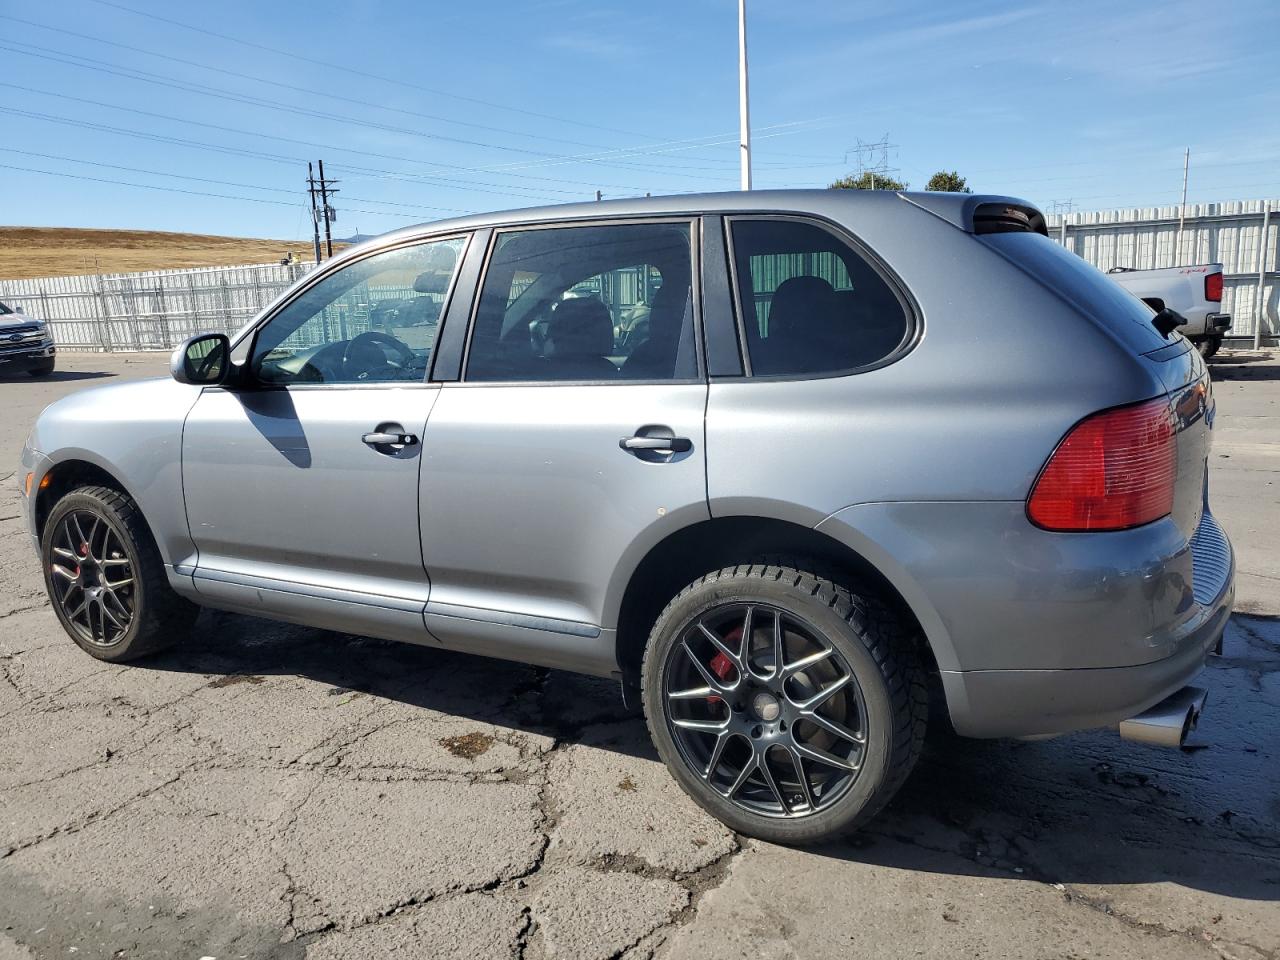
(696, 549)
(78, 469)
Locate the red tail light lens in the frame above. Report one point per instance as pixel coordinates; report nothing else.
(1213, 287)
(1114, 470)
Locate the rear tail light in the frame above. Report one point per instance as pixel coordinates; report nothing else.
(1213, 287)
(1114, 470)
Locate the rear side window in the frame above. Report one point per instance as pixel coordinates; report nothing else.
(810, 304)
(594, 303)
(1083, 285)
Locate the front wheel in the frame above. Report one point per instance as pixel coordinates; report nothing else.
(106, 578)
(786, 705)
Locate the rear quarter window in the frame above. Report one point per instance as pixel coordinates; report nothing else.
(810, 304)
(1083, 285)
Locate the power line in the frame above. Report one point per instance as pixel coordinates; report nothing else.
(270, 136)
(230, 95)
(194, 193)
(426, 179)
(329, 65)
(225, 183)
(131, 73)
(154, 173)
(362, 73)
(326, 94)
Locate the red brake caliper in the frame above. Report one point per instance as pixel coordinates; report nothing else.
(721, 665)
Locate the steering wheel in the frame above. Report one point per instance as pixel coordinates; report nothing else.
(364, 357)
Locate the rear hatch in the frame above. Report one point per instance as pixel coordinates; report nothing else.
(1129, 321)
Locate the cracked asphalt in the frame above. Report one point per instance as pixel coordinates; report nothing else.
(267, 790)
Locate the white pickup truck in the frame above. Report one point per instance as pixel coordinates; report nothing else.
(1194, 292)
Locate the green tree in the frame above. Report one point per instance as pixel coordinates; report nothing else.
(868, 181)
(947, 182)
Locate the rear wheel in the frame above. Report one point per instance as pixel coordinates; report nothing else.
(1209, 346)
(785, 704)
(106, 579)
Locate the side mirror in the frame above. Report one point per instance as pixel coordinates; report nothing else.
(204, 360)
(18, 309)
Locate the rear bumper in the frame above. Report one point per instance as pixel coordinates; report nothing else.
(1217, 323)
(1025, 703)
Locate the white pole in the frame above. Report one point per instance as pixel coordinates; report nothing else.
(1182, 210)
(1260, 315)
(744, 119)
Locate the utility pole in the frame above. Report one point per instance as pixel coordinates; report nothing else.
(744, 113)
(315, 214)
(329, 213)
(1182, 210)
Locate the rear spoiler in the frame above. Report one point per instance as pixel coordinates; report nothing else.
(982, 214)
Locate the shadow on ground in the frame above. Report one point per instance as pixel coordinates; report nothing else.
(58, 376)
(1243, 366)
(1084, 809)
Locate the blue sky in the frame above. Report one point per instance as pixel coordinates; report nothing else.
(426, 109)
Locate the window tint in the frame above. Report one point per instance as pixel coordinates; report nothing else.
(587, 303)
(371, 321)
(810, 304)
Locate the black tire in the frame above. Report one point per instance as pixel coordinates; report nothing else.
(882, 657)
(1209, 346)
(41, 371)
(159, 617)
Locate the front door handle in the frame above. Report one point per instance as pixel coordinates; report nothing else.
(377, 439)
(657, 444)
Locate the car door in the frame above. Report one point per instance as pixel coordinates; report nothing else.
(572, 443)
(301, 476)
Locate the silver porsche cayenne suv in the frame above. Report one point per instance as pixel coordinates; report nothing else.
(802, 470)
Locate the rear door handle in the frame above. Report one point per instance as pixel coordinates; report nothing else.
(389, 439)
(660, 444)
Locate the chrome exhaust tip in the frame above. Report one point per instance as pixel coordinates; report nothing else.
(1168, 723)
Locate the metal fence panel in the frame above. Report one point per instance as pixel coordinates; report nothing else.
(154, 310)
(1229, 233)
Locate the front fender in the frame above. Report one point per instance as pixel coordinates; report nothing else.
(132, 432)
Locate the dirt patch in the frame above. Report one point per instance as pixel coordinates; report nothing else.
(468, 745)
(62, 251)
(232, 679)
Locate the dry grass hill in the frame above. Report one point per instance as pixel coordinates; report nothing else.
(58, 251)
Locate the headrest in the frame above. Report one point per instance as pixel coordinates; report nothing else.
(799, 302)
(666, 316)
(579, 327)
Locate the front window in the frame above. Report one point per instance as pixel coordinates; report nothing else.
(373, 320)
(602, 303)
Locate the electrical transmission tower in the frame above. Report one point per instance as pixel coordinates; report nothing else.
(873, 159)
(1061, 206)
(320, 191)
